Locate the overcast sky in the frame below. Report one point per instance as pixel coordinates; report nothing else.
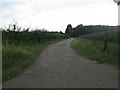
(55, 15)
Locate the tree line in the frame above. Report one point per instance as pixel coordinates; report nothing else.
(83, 30)
(15, 36)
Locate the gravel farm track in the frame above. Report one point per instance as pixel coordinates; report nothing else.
(59, 66)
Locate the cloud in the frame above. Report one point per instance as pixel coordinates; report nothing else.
(56, 14)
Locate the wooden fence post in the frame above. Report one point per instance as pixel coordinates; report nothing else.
(94, 42)
(105, 49)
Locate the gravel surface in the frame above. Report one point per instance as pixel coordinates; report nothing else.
(59, 66)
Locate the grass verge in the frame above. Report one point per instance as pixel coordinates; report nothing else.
(85, 48)
(16, 59)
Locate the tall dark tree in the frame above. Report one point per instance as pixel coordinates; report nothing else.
(79, 30)
(69, 30)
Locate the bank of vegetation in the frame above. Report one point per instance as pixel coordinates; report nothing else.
(21, 47)
(96, 42)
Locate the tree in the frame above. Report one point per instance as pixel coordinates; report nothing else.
(78, 30)
(69, 30)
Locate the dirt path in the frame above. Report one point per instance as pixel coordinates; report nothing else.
(59, 66)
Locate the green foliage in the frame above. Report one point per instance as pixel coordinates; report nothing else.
(69, 30)
(16, 59)
(83, 30)
(16, 37)
(86, 48)
(112, 36)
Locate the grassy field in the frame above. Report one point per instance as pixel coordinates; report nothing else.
(86, 48)
(16, 59)
(112, 36)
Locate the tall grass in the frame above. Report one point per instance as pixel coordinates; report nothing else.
(16, 59)
(85, 48)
